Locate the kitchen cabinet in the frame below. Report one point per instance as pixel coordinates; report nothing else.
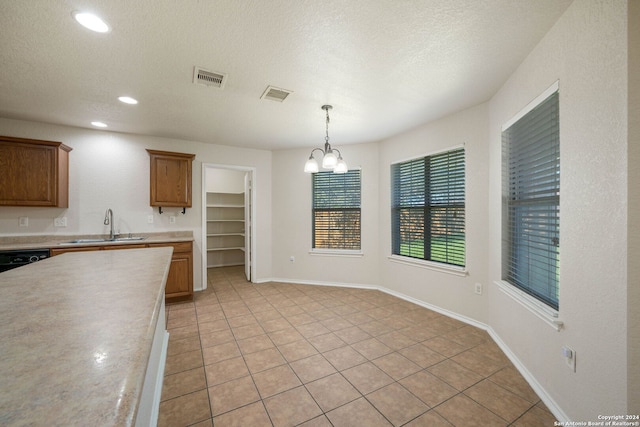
(170, 179)
(34, 173)
(180, 280)
(179, 285)
(225, 229)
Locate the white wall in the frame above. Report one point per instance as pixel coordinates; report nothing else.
(633, 221)
(586, 52)
(292, 221)
(444, 290)
(224, 180)
(111, 170)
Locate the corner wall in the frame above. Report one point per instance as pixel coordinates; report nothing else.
(444, 290)
(586, 52)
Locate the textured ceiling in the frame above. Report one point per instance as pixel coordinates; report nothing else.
(384, 65)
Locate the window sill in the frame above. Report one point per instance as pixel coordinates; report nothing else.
(541, 310)
(348, 253)
(430, 265)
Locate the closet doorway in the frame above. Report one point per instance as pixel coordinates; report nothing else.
(228, 218)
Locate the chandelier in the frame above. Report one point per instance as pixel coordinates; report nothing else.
(329, 158)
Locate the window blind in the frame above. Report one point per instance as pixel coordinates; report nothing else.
(531, 180)
(428, 208)
(336, 210)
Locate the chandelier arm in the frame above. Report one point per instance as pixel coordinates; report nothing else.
(316, 149)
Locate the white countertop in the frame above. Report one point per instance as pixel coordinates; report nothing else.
(75, 336)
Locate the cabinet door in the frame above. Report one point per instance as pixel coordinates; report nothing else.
(33, 173)
(180, 274)
(170, 179)
(179, 285)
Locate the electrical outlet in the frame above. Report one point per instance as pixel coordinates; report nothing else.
(478, 288)
(60, 222)
(23, 221)
(569, 355)
(150, 219)
(292, 258)
(172, 220)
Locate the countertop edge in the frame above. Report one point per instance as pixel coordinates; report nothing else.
(150, 337)
(60, 241)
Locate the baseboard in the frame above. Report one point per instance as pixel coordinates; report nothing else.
(535, 385)
(319, 283)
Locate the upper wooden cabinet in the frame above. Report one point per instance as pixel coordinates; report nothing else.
(34, 173)
(170, 179)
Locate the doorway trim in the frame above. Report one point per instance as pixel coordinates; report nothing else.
(252, 227)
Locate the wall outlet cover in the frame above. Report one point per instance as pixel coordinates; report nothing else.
(23, 221)
(478, 288)
(60, 222)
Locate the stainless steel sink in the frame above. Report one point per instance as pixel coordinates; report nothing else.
(117, 239)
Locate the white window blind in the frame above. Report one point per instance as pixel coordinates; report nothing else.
(531, 181)
(428, 208)
(336, 210)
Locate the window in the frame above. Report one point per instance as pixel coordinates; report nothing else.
(428, 213)
(336, 210)
(531, 195)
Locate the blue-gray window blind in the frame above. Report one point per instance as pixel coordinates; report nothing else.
(428, 208)
(531, 220)
(336, 210)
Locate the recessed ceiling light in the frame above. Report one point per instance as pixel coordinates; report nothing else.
(99, 124)
(128, 100)
(91, 21)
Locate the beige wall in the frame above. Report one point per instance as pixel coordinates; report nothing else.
(111, 170)
(292, 221)
(586, 52)
(444, 290)
(633, 223)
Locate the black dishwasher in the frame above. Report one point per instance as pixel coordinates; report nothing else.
(16, 258)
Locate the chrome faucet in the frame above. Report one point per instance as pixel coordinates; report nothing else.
(108, 220)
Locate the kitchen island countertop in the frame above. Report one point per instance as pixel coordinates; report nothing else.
(76, 335)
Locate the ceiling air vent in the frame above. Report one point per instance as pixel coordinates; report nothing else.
(275, 94)
(208, 78)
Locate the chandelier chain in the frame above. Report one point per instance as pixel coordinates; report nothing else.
(326, 138)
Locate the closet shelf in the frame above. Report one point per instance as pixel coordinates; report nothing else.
(229, 248)
(225, 229)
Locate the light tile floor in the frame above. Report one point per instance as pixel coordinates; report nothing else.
(277, 354)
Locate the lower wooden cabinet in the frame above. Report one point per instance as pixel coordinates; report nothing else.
(180, 279)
